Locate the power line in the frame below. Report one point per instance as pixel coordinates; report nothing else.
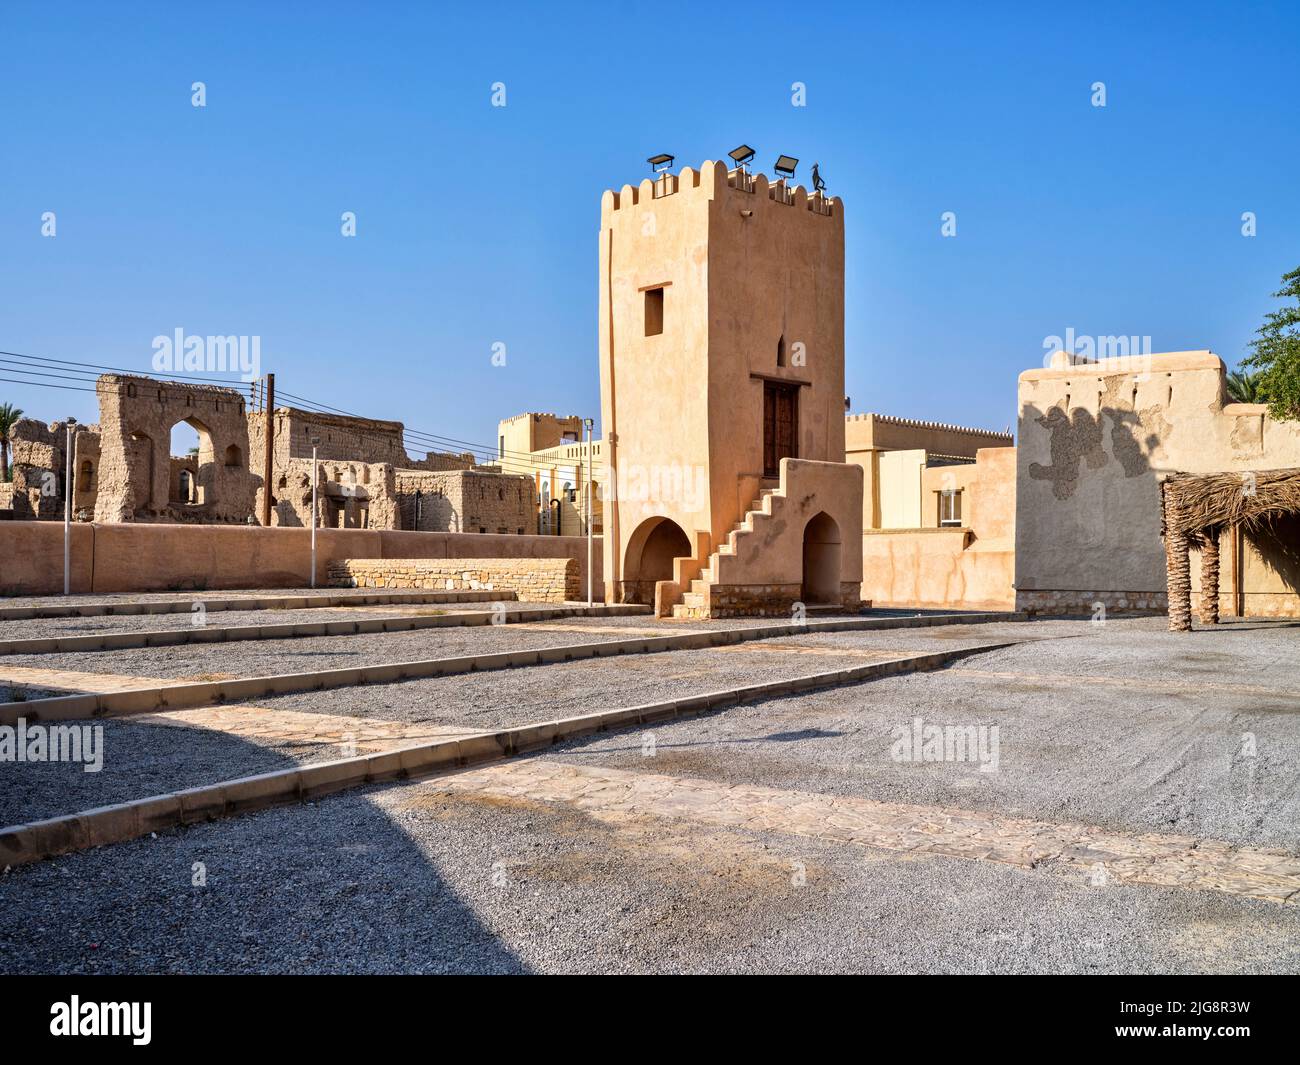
(206, 378)
(519, 462)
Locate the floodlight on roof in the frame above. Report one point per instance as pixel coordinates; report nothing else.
(660, 163)
(785, 165)
(742, 155)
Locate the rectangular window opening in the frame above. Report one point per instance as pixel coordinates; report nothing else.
(654, 312)
(950, 507)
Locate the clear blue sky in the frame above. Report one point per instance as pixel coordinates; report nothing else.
(478, 224)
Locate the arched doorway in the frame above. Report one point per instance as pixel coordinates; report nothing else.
(650, 553)
(191, 440)
(821, 561)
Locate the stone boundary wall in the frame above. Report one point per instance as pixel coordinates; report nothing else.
(764, 600)
(1079, 602)
(159, 557)
(533, 580)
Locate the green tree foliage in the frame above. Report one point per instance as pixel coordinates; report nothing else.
(9, 415)
(1276, 353)
(1243, 386)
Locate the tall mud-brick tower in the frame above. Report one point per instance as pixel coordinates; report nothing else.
(722, 397)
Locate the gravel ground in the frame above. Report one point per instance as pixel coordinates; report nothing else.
(8, 691)
(78, 626)
(1120, 755)
(503, 698)
(37, 627)
(408, 878)
(254, 658)
(183, 595)
(301, 654)
(140, 760)
(402, 879)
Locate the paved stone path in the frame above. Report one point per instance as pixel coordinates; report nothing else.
(769, 646)
(357, 735)
(72, 681)
(1103, 856)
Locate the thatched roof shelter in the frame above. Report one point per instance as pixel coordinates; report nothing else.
(1197, 509)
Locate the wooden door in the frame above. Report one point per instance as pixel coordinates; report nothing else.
(780, 425)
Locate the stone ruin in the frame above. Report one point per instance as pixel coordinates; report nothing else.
(124, 471)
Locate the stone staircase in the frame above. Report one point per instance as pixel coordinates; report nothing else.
(695, 602)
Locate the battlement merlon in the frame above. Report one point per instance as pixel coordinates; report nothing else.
(714, 181)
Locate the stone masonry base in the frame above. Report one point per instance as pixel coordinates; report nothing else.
(534, 580)
(1073, 601)
(762, 600)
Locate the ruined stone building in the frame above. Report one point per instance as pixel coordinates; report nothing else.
(38, 470)
(124, 470)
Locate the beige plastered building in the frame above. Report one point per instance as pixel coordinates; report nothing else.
(1095, 441)
(722, 397)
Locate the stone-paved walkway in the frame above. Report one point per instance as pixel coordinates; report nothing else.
(1103, 856)
(71, 681)
(355, 735)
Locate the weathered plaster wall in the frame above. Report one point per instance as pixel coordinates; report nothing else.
(159, 557)
(971, 567)
(467, 501)
(135, 474)
(1093, 442)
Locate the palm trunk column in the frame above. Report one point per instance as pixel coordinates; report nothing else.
(1210, 578)
(1178, 569)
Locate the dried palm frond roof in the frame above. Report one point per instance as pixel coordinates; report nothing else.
(1194, 502)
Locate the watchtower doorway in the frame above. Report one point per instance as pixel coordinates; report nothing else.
(780, 425)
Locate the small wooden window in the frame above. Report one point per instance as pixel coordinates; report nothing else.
(654, 312)
(950, 507)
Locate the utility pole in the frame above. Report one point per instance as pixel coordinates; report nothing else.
(67, 513)
(268, 431)
(315, 476)
(590, 509)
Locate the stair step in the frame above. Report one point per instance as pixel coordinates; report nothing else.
(693, 599)
(706, 575)
(698, 586)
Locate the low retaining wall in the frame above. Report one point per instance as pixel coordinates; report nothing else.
(158, 558)
(533, 580)
(1093, 603)
(946, 568)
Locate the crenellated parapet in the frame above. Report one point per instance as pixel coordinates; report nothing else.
(713, 180)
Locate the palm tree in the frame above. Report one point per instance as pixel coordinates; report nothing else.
(9, 415)
(1243, 386)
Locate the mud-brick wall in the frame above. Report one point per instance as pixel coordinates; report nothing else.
(537, 580)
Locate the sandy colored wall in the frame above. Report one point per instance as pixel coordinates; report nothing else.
(156, 557)
(898, 488)
(883, 432)
(969, 568)
(739, 271)
(1094, 440)
(936, 568)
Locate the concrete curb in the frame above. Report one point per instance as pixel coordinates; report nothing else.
(205, 693)
(24, 844)
(271, 602)
(117, 641)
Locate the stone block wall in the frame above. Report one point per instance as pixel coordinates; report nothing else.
(1084, 603)
(763, 600)
(470, 501)
(536, 580)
